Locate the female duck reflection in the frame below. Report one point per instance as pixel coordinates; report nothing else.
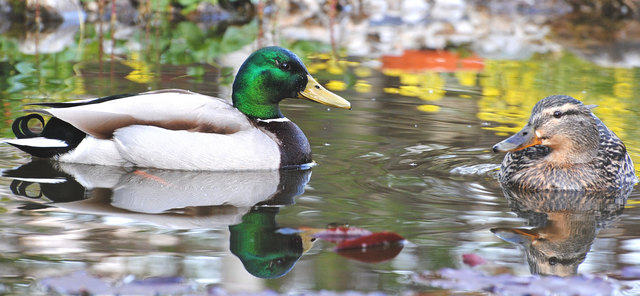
(565, 224)
(183, 200)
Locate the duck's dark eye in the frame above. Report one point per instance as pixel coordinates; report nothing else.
(553, 261)
(557, 114)
(284, 66)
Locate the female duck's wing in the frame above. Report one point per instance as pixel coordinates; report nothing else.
(612, 156)
(168, 109)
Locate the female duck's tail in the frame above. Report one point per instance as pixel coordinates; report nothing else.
(57, 137)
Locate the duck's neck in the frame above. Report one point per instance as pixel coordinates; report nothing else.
(253, 103)
(255, 93)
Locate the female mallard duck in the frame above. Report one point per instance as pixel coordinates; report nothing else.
(565, 147)
(178, 129)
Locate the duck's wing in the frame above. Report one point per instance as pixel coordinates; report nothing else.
(613, 157)
(611, 147)
(168, 109)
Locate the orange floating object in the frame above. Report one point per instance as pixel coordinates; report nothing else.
(436, 60)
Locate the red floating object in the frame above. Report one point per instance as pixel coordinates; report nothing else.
(341, 233)
(373, 255)
(473, 260)
(369, 241)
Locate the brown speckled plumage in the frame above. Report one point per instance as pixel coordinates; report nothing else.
(592, 162)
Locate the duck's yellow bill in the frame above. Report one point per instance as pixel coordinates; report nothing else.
(317, 93)
(308, 239)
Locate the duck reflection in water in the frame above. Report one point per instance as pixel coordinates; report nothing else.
(246, 202)
(168, 198)
(264, 249)
(562, 225)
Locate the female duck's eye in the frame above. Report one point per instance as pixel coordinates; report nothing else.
(557, 114)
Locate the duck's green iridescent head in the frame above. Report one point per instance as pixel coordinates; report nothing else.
(272, 74)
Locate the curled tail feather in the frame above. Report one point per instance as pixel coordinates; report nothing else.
(57, 136)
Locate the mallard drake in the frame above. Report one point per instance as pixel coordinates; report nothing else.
(565, 147)
(179, 129)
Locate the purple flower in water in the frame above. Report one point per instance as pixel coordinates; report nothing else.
(507, 284)
(83, 283)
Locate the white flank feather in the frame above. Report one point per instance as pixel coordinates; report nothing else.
(150, 146)
(95, 151)
(37, 142)
(42, 180)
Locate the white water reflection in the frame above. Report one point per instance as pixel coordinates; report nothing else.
(185, 199)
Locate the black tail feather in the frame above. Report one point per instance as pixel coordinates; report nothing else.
(53, 129)
(21, 126)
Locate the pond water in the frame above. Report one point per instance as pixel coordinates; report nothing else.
(412, 157)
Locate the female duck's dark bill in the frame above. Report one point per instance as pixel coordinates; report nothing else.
(525, 138)
(315, 92)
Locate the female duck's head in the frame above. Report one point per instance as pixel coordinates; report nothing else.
(272, 74)
(564, 125)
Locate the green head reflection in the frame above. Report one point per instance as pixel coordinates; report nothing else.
(265, 252)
